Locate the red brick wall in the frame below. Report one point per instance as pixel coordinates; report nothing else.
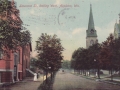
(20, 75)
(8, 63)
(6, 76)
(26, 59)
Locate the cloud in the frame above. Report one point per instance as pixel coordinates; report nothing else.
(65, 35)
(103, 32)
(78, 31)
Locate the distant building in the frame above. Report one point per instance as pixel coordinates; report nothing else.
(91, 33)
(117, 29)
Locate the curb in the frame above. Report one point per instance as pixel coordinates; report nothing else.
(99, 80)
(110, 82)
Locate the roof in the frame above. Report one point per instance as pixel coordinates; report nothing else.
(91, 21)
(91, 32)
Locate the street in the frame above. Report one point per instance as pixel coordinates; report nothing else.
(69, 81)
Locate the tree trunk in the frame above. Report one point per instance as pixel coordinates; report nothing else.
(119, 71)
(98, 72)
(109, 71)
(46, 76)
(51, 75)
(85, 72)
(111, 75)
(80, 72)
(89, 72)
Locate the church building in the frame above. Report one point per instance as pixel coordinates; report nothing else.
(117, 29)
(91, 34)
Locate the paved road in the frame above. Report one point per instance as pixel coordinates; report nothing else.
(68, 81)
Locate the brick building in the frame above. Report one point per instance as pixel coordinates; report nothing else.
(13, 65)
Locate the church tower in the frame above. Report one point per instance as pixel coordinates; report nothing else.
(117, 29)
(91, 34)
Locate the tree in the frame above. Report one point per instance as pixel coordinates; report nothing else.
(79, 60)
(11, 36)
(73, 59)
(66, 64)
(33, 62)
(107, 54)
(117, 54)
(49, 53)
(93, 53)
(86, 59)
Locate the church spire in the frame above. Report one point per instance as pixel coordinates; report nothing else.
(91, 21)
(91, 32)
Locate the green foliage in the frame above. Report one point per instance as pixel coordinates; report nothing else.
(49, 52)
(10, 27)
(33, 62)
(48, 85)
(25, 37)
(79, 59)
(108, 55)
(66, 64)
(4, 5)
(103, 56)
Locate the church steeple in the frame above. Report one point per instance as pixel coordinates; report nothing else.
(91, 32)
(91, 21)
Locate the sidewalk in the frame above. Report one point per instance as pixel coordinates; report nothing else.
(26, 84)
(105, 78)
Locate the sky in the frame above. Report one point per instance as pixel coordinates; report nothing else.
(68, 19)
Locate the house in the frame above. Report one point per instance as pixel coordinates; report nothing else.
(13, 65)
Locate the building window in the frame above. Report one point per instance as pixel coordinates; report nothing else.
(15, 59)
(1, 54)
(91, 42)
(19, 56)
